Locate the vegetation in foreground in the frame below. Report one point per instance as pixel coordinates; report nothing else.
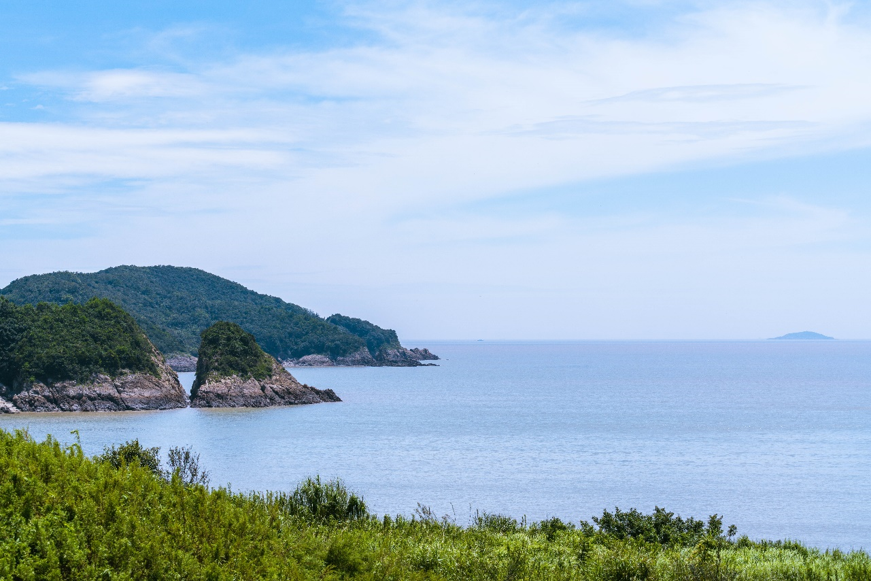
(174, 305)
(54, 343)
(121, 516)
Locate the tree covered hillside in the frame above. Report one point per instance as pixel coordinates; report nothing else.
(54, 343)
(173, 305)
(376, 338)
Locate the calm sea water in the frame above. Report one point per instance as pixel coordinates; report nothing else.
(775, 436)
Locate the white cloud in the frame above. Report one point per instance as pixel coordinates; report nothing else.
(320, 154)
(120, 84)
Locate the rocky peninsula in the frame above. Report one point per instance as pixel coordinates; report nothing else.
(233, 371)
(90, 357)
(386, 357)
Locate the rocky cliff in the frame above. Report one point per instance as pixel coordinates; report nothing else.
(101, 393)
(279, 388)
(233, 371)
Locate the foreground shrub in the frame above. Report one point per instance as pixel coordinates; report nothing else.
(325, 502)
(132, 453)
(66, 516)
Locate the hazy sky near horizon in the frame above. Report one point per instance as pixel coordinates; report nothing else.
(635, 169)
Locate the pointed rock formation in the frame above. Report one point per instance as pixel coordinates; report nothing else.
(233, 371)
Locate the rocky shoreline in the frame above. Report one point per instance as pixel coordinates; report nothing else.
(401, 357)
(124, 392)
(281, 388)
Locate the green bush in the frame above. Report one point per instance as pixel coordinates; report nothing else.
(661, 527)
(130, 454)
(184, 464)
(325, 502)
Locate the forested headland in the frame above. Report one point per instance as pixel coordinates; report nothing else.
(173, 305)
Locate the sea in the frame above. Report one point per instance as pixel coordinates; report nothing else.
(774, 436)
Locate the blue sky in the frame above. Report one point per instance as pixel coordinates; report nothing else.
(573, 170)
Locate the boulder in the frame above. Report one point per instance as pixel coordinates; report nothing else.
(424, 354)
(311, 361)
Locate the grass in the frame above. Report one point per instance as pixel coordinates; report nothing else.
(66, 516)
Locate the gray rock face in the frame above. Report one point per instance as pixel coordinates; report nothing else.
(310, 361)
(127, 392)
(424, 354)
(279, 389)
(360, 358)
(182, 363)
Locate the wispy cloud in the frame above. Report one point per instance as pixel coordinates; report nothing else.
(120, 84)
(376, 146)
(703, 93)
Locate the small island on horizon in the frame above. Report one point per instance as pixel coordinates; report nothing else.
(803, 336)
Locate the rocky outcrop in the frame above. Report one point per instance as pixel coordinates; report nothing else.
(310, 361)
(5, 406)
(280, 388)
(361, 358)
(424, 354)
(182, 363)
(102, 393)
(387, 357)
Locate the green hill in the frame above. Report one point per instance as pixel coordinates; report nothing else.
(375, 337)
(173, 305)
(54, 343)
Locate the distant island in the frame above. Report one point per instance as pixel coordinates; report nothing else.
(173, 305)
(803, 336)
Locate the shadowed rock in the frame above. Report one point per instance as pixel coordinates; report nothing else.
(182, 362)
